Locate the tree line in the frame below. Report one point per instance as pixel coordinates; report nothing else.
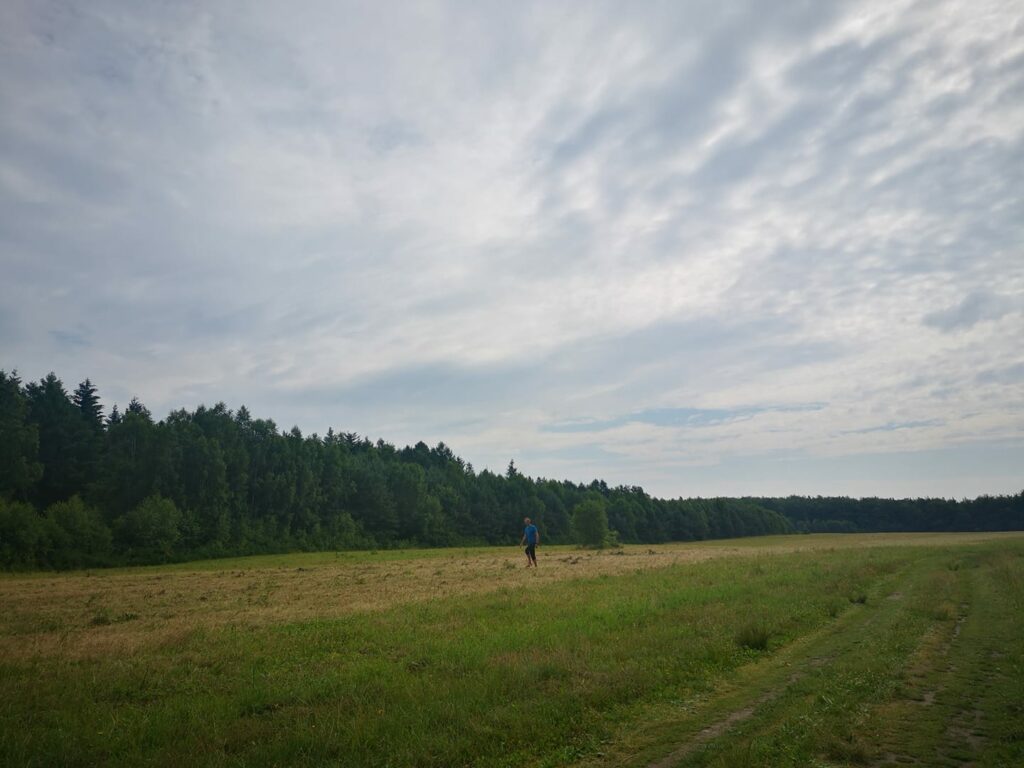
(832, 514)
(80, 488)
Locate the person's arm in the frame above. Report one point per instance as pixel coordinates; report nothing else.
(523, 541)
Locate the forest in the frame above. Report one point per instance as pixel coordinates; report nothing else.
(80, 488)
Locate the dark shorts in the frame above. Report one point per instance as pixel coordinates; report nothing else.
(531, 551)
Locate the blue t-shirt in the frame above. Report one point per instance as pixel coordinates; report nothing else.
(531, 534)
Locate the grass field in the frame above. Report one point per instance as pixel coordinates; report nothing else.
(806, 650)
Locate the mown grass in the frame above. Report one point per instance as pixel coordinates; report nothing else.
(540, 674)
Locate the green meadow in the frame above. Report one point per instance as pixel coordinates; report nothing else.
(783, 651)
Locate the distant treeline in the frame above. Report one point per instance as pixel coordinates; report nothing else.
(833, 514)
(79, 488)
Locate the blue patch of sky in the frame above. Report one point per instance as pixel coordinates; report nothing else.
(70, 339)
(676, 417)
(1010, 374)
(975, 308)
(892, 426)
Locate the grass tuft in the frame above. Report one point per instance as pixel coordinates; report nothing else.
(105, 618)
(754, 636)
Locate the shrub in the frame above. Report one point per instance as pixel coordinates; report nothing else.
(590, 522)
(82, 537)
(26, 537)
(152, 528)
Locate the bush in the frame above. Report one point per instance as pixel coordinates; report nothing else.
(151, 529)
(83, 539)
(26, 537)
(590, 522)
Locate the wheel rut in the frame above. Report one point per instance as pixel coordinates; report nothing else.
(813, 655)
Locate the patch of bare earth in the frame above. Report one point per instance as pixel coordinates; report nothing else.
(711, 732)
(925, 688)
(730, 720)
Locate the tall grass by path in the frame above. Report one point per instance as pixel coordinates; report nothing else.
(541, 675)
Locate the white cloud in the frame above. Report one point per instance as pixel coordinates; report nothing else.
(570, 212)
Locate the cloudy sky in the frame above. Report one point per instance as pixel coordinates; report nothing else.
(703, 247)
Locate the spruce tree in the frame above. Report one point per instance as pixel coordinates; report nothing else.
(88, 403)
(19, 446)
(66, 444)
(139, 409)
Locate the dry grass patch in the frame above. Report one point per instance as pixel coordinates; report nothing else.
(99, 613)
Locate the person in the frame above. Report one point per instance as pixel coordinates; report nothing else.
(531, 538)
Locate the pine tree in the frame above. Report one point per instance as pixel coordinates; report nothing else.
(65, 441)
(88, 403)
(19, 447)
(139, 409)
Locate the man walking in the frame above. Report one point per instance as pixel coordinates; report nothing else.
(531, 538)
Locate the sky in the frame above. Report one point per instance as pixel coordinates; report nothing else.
(706, 248)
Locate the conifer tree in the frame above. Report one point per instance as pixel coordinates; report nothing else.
(66, 444)
(139, 409)
(88, 403)
(19, 441)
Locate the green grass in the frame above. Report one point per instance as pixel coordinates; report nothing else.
(897, 679)
(771, 660)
